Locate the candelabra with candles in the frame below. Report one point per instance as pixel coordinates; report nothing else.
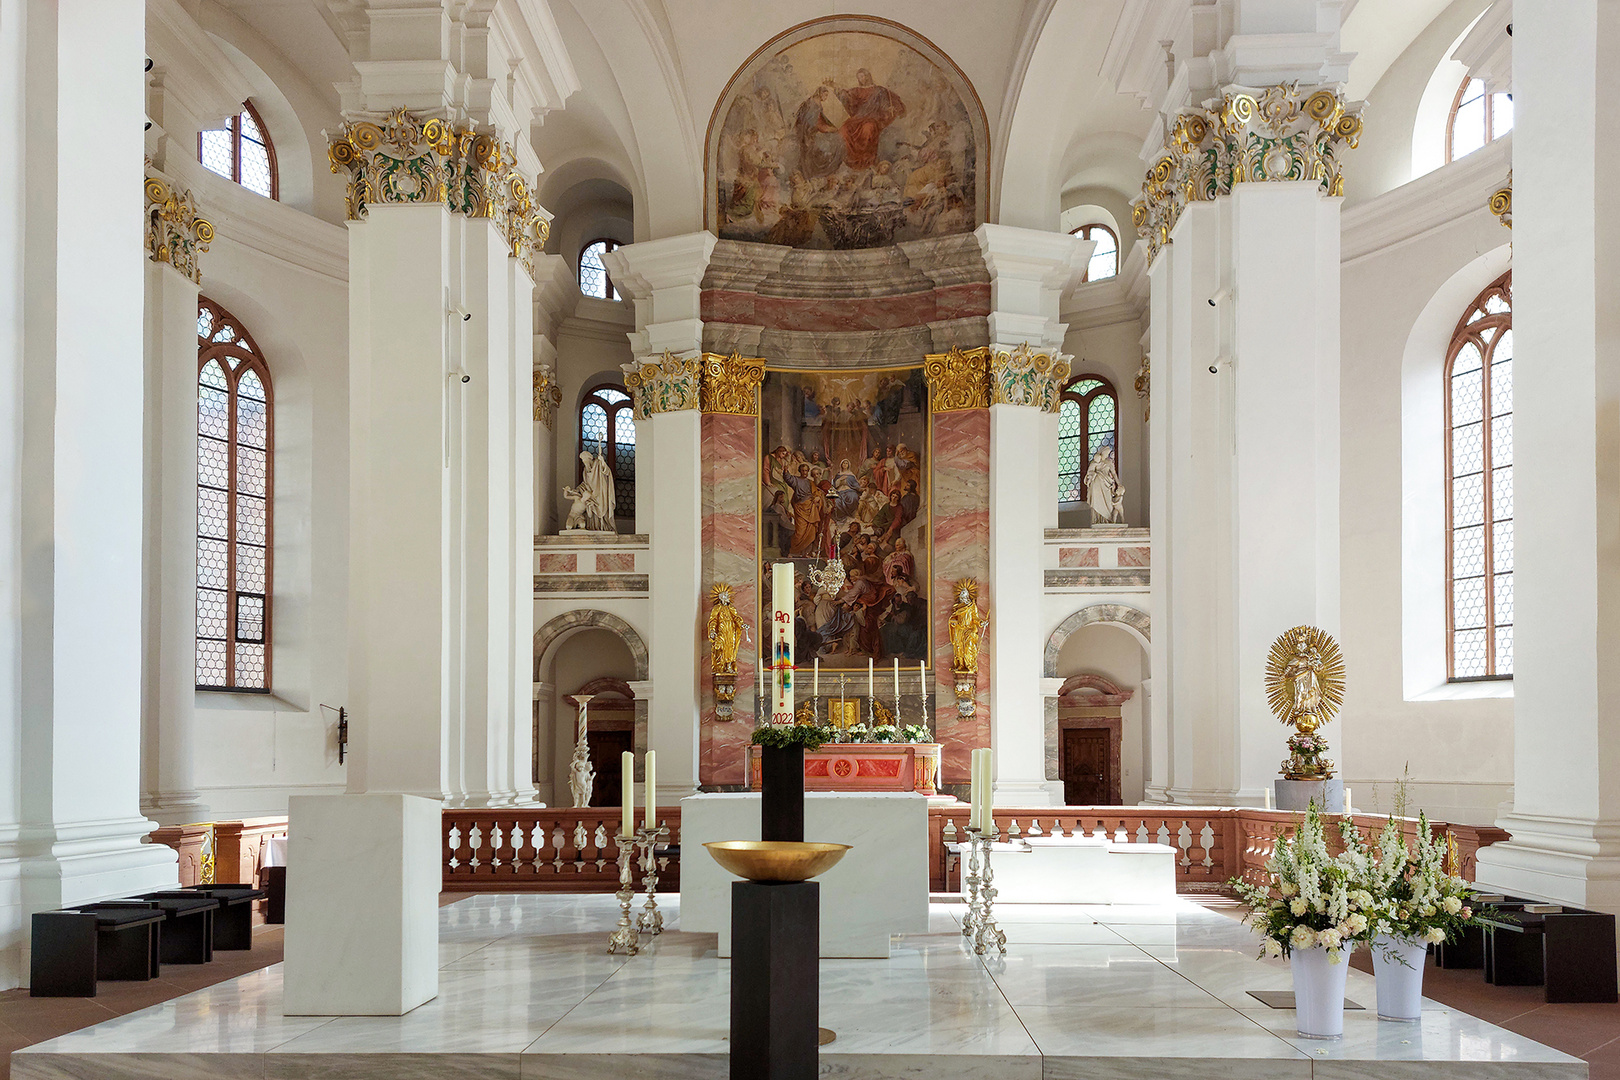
(985, 933)
(625, 939)
(651, 920)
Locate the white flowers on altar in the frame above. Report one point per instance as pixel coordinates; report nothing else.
(1306, 899)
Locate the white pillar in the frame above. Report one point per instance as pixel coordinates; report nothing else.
(169, 716)
(1565, 815)
(1029, 270)
(664, 278)
(72, 327)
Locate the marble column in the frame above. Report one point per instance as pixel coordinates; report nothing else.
(664, 279)
(1565, 813)
(168, 715)
(1244, 296)
(1029, 270)
(71, 301)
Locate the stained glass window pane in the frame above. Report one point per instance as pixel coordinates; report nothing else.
(610, 395)
(593, 277)
(1467, 449)
(1104, 257)
(216, 152)
(593, 427)
(1504, 650)
(1069, 442)
(1468, 598)
(1501, 115)
(1468, 548)
(624, 462)
(1466, 390)
(210, 663)
(250, 666)
(1468, 127)
(255, 157)
(1468, 656)
(1100, 429)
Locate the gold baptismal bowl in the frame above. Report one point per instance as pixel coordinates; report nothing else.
(775, 860)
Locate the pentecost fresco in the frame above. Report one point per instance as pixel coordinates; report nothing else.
(845, 140)
(843, 477)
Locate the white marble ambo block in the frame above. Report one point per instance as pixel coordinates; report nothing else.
(363, 880)
(879, 888)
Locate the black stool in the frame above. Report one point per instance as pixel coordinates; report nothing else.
(74, 948)
(188, 927)
(274, 880)
(233, 922)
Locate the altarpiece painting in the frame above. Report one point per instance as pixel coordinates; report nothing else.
(844, 477)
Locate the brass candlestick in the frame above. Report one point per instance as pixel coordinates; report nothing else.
(651, 920)
(971, 881)
(625, 939)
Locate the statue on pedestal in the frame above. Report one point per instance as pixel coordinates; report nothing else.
(581, 774)
(727, 631)
(967, 628)
(592, 496)
(1305, 686)
(1104, 492)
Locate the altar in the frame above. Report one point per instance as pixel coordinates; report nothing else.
(864, 767)
(878, 889)
(1083, 870)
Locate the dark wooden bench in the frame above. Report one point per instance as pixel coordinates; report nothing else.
(188, 923)
(233, 922)
(75, 947)
(1570, 952)
(274, 881)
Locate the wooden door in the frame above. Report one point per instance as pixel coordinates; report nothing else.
(1085, 764)
(606, 746)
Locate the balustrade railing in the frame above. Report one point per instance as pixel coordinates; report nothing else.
(549, 850)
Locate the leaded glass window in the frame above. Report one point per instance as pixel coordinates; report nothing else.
(242, 151)
(1479, 488)
(1105, 256)
(607, 426)
(1476, 118)
(235, 434)
(1088, 420)
(593, 276)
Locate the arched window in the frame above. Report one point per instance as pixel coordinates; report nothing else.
(1088, 419)
(607, 426)
(593, 276)
(1476, 118)
(235, 435)
(241, 151)
(1479, 488)
(1105, 256)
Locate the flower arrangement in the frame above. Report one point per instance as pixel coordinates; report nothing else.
(1420, 898)
(915, 733)
(1312, 898)
(884, 733)
(783, 736)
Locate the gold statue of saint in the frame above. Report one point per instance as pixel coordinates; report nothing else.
(967, 626)
(727, 631)
(1305, 687)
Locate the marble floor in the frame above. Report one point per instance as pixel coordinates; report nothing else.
(527, 990)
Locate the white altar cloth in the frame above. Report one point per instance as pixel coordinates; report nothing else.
(879, 888)
(1082, 870)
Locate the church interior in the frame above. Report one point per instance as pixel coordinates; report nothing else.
(466, 456)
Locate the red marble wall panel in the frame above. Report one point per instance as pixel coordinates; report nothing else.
(961, 502)
(1086, 556)
(730, 530)
(846, 313)
(615, 563)
(1135, 556)
(563, 563)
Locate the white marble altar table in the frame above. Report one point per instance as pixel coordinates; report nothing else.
(1080, 870)
(879, 888)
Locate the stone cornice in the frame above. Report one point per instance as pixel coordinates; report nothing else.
(1431, 201)
(271, 228)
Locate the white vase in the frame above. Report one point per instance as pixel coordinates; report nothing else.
(1319, 991)
(1398, 967)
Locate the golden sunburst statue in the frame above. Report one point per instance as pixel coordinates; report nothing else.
(1305, 687)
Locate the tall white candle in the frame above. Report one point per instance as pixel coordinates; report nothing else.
(897, 689)
(987, 816)
(782, 642)
(627, 791)
(871, 683)
(651, 771)
(975, 779)
(815, 685)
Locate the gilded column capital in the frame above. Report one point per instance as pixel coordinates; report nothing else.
(547, 395)
(405, 159)
(668, 384)
(959, 379)
(731, 384)
(1501, 203)
(1026, 377)
(175, 233)
(1247, 135)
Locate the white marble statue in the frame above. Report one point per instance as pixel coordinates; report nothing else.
(592, 509)
(581, 776)
(1104, 492)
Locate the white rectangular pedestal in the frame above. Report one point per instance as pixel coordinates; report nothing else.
(1082, 870)
(363, 880)
(879, 888)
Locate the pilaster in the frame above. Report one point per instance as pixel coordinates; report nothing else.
(1029, 271)
(664, 278)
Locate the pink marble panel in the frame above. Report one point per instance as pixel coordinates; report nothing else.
(845, 313)
(1135, 556)
(615, 563)
(961, 499)
(567, 563)
(1086, 556)
(729, 529)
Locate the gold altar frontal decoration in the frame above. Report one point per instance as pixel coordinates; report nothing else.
(864, 767)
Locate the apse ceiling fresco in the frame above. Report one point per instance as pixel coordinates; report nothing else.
(846, 133)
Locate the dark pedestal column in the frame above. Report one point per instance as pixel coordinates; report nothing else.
(781, 781)
(775, 987)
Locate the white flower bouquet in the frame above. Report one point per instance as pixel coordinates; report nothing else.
(1310, 898)
(1420, 898)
